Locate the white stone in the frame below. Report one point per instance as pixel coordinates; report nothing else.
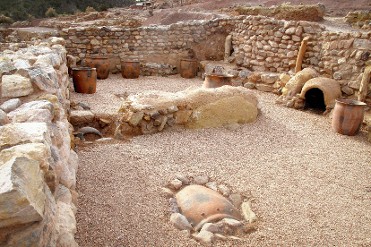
(22, 197)
(224, 190)
(210, 227)
(201, 179)
(20, 133)
(212, 185)
(66, 225)
(247, 213)
(34, 111)
(11, 105)
(13, 86)
(180, 221)
(204, 237)
(176, 184)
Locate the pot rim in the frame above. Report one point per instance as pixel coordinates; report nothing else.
(350, 102)
(83, 68)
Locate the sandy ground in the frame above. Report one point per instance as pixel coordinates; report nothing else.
(308, 185)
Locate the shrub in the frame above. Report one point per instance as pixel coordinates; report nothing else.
(90, 9)
(5, 19)
(51, 12)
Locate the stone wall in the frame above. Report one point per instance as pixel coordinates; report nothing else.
(37, 165)
(258, 43)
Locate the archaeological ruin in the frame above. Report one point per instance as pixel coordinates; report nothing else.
(231, 63)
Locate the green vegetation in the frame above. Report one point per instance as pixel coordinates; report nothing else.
(26, 9)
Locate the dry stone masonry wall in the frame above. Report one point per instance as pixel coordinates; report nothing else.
(37, 165)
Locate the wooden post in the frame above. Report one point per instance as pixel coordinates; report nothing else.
(227, 47)
(299, 59)
(363, 88)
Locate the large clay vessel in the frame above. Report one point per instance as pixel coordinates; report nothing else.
(188, 68)
(201, 205)
(216, 80)
(101, 63)
(130, 69)
(348, 116)
(84, 80)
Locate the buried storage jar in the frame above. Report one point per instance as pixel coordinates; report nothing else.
(84, 80)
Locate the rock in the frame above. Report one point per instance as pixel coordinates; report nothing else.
(35, 151)
(81, 117)
(232, 222)
(201, 179)
(172, 109)
(45, 78)
(173, 205)
(180, 221)
(264, 87)
(3, 118)
(175, 184)
(182, 116)
(6, 66)
(347, 90)
(204, 237)
(13, 86)
(224, 190)
(212, 185)
(249, 85)
(167, 192)
(269, 78)
(135, 118)
(185, 180)
(210, 227)
(21, 133)
(236, 199)
(247, 213)
(164, 120)
(11, 105)
(34, 111)
(22, 197)
(66, 225)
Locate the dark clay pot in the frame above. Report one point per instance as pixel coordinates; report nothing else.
(348, 116)
(130, 69)
(101, 63)
(214, 80)
(188, 68)
(84, 80)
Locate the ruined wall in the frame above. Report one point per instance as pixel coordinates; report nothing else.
(153, 44)
(37, 165)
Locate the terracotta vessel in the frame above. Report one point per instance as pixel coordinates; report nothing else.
(101, 63)
(188, 68)
(201, 205)
(348, 116)
(84, 80)
(216, 80)
(130, 69)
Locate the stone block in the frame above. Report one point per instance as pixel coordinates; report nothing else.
(34, 111)
(14, 86)
(22, 197)
(11, 105)
(22, 133)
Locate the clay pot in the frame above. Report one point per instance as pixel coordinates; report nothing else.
(130, 69)
(188, 68)
(201, 205)
(101, 63)
(84, 80)
(348, 116)
(214, 80)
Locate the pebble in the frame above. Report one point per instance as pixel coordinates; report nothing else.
(212, 185)
(180, 221)
(173, 205)
(175, 184)
(183, 178)
(211, 228)
(167, 192)
(201, 179)
(236, 199)
(204, 237)
(224, 190)
(247, 213)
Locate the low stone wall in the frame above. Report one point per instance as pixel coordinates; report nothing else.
(37, 165)
(153, 111)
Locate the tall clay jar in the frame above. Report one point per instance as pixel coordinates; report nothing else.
(84, 80)
(130, 69)
(101, 63)
(348, 116)
(188, 68)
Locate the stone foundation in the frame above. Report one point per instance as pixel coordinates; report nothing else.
(37, 166)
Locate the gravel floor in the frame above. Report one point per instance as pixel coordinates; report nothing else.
(308, 185)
